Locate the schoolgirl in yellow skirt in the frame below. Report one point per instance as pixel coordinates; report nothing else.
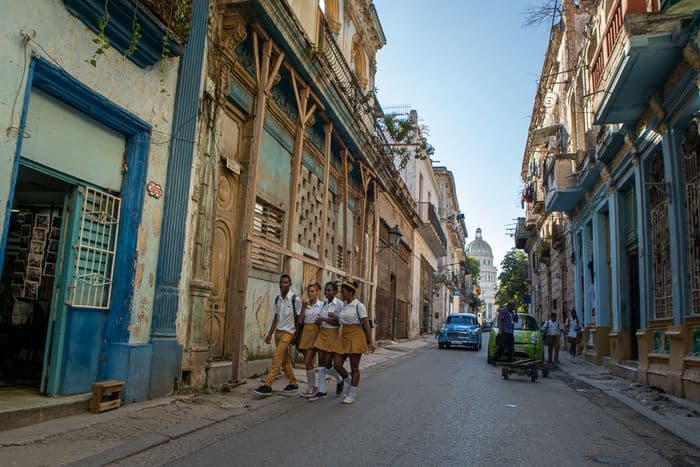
(328, 341)
(356, 336)
(310, 311)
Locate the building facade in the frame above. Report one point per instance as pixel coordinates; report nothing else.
(621, 162)
(85, 157)
(452, 293)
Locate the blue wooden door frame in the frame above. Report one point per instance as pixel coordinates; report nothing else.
(59, 84)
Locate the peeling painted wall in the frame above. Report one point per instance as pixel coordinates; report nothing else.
(62, 39)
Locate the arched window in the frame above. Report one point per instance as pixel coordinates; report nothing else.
(359, 61)
(332, 12)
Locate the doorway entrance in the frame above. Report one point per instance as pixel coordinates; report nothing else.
(30, 277)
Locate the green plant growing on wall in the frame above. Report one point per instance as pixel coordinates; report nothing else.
(544, 250)
(178, 27)
(408, 139)
(101, 40)
(134, 37)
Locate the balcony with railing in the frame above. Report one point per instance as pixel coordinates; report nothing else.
(562, 192)
(523, 233)
(360, 104)
(431, 230)
(638, 48)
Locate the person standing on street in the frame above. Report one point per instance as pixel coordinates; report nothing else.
(551, 338)
(572, 329)
(309, 314)
(328, 341)
(286, 309)
(356, 336)
(505, 340)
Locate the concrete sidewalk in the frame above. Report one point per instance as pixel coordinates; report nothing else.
(99, 439)
(679, 416)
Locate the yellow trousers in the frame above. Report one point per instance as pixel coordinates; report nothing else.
(281, 358)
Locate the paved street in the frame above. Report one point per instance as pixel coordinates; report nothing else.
(436, 407)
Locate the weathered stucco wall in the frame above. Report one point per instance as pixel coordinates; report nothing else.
(62, 39)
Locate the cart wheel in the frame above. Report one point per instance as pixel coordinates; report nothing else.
(504, 373)
(545, 372)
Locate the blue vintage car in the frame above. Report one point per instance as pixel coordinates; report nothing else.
(460, 329)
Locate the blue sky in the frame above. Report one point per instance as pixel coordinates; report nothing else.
(470, 69)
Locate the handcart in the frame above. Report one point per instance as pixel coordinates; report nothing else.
(524, 367)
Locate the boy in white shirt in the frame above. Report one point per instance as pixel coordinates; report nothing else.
(286, 309)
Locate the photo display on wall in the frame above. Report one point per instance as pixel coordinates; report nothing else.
(35, 261)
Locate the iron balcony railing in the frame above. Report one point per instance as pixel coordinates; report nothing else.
(357, 101)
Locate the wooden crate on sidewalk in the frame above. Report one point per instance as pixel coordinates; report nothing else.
(106, 395)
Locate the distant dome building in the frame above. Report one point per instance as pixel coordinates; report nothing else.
(481, 251)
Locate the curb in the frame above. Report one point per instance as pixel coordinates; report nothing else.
(151, 440)
(166, 435)
(688, 436)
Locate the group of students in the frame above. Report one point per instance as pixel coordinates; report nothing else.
(332, 330)
(552, 332)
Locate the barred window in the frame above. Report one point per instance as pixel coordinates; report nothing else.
(268, 224)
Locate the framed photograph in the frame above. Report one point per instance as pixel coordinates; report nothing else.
(49, 269)
(26, 230)
(56, 222)
(36, 248)
(18, 278)
(55, 233)
(31, 290)
(18, 290)
(53, 245)
(51, 257)
(39, 234)
(35, 260)
(41, 221)
(33, 274)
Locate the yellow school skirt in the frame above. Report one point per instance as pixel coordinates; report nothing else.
(328, 340)
(308, 336)
(354, 339)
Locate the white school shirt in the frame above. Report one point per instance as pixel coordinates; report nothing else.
(553, 328)
(336, 306)
(283, 309)
(352, 313)
(573, 327)
(312, 312)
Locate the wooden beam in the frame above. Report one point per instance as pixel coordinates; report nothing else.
(271, 246)
(346, 179)
(326, 178)
(237, 288)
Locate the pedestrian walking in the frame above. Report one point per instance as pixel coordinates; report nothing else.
(551, 338)
(328, 342)
(356, 336)
(505, 340)
(286, 309)
(311, 310)
(572, 330)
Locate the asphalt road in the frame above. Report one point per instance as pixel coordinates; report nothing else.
(436, 407)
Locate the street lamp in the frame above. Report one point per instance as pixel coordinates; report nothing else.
(395, 236)
(394, 239)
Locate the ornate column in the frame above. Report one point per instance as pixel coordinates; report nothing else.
(167, 353)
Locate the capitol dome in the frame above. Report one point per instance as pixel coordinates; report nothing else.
(479, 247)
